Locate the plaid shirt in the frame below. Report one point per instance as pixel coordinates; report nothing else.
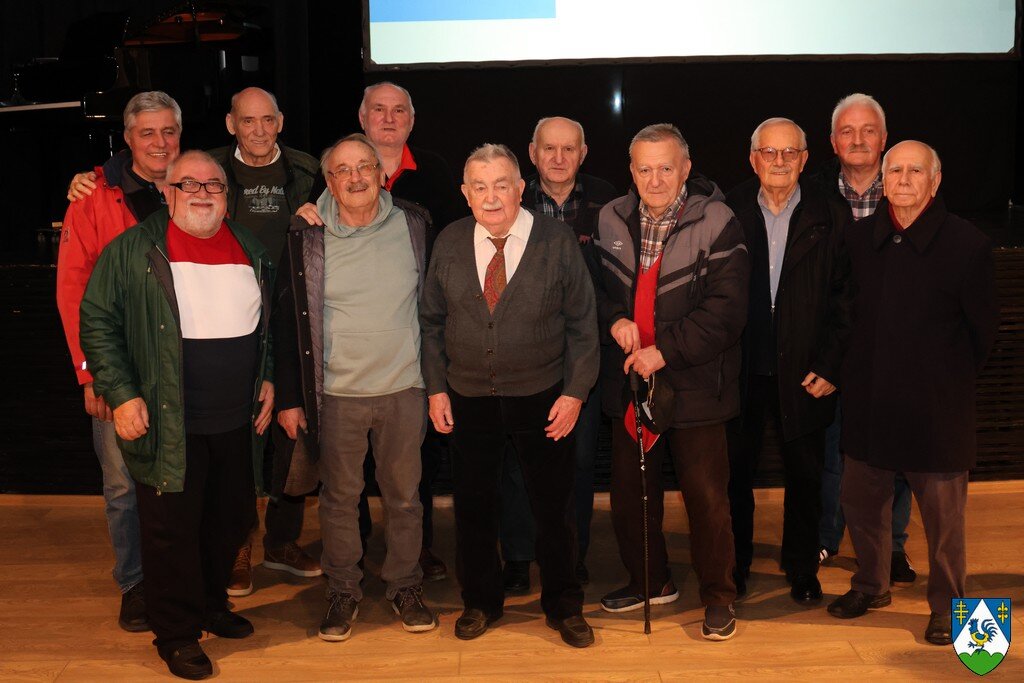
(863, 205)
(543, 202)
(654, 230)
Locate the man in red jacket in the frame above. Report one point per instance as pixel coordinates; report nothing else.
(128, 190)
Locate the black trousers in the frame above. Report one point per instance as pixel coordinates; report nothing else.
(702, 469)
(483, 428)
(802, 461)
(190, 538)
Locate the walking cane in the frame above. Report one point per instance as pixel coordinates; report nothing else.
(634, 385)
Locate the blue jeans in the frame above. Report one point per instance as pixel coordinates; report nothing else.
(518, 533)
(121, 508)
(833, 524)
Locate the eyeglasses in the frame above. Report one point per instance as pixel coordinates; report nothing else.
(344, 171)
(192, 186)
(770, 154)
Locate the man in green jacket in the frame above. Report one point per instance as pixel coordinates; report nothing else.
(175, 327)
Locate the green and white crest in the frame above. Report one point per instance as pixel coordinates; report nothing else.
(981, 632)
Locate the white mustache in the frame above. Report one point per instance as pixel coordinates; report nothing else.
(859, 148)
(357, 186)
(491, 206)
(198, 202)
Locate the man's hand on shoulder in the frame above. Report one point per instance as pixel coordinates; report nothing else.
(82, 185)
(309, 213)
(131, 419)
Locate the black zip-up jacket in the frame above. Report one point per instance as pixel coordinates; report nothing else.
(810, 327)
(700, 308)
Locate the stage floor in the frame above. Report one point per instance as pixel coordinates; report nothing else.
(58, 612)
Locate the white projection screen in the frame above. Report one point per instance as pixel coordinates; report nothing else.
(466, 33)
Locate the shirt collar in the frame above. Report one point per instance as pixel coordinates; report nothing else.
(277, 154)
(849, 188)
(791, 201)
(672, 209)
(520, 229)
(408, 163)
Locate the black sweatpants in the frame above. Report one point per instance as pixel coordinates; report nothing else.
(190, 538)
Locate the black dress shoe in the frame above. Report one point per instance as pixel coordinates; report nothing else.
(516, 577)
(806, 589)
(132, 617)
(472, 624)
(739, 577)
(901, 572)
(939, 629)
(854, 604)
(227, 624)
(574, 630)
(188, 661)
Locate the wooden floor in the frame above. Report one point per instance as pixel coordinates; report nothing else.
(58, 612)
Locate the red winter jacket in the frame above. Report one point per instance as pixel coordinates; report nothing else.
(89, 225)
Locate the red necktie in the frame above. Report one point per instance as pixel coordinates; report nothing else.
(494, 277)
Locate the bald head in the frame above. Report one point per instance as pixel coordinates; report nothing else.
(558, 150)
(911, 174)
(255, 121)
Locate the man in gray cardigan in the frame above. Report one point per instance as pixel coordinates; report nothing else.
(510, 351)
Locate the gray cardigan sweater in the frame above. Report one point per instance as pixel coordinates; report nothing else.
(543, 330)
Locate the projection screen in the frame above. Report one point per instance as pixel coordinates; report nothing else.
(439, 33)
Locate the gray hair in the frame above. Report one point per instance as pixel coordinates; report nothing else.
(370, 88)
(548, 119)
(267, 94)
(353, 137)
(657, 132)
(936, 162)
(756, 137)
(490, 151)
(151, 100)
(195, 155)
(854, 100)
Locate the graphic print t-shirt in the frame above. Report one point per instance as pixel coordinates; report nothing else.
(219, 305)
(261, 205)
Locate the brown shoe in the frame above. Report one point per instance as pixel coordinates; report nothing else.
(292, 559)
(433, 568)
(241, 573)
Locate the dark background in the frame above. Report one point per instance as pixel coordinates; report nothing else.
(309, 55)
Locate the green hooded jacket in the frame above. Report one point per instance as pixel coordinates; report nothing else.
(131, 336)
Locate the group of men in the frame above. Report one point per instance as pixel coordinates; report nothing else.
(375, 312)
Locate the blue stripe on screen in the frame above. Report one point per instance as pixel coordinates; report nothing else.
(382, 11)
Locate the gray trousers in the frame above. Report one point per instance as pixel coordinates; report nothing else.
(395, 424)
(867, 494)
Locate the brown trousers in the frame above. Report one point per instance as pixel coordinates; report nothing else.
(866, 496)
(702, 467)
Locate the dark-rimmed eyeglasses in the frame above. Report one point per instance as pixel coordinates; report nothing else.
(789, 154)
(363, 170)
(192, 186)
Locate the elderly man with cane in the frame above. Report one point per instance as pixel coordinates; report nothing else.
(673, 297)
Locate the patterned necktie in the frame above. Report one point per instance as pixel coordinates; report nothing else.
(494, 277)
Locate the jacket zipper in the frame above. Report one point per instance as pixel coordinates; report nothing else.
(181, 375)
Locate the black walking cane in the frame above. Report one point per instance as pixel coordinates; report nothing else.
(634, 385)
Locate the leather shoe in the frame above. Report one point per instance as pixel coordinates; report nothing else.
(188, 661)
(806, 589)
(854, 604)
(939, 629)
(227, 624)
(574, 630)
(472, 624)
(516, 577)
